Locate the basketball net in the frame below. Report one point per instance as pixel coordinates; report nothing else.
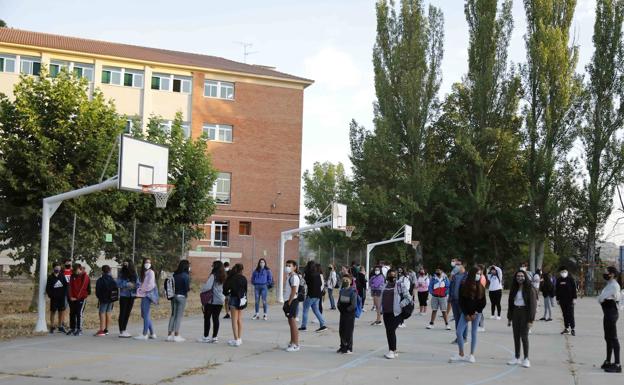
(161, 193)
(349, 230)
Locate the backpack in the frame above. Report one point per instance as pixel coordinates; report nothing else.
(113, 291)
(302, 291)
(170, 288)
(358, 306)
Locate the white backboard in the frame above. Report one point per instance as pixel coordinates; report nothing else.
(339, 215)
(141, 163)
(408, 234)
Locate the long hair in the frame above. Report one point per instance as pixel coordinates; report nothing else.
(143, 269)
(183, 267)
(310, 268)
(237, 269)
(258, 268)
(319, 268)
(470, 288)
(128, 272)
(515, 286)
(218, 271)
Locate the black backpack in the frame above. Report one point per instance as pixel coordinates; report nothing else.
(113, 291)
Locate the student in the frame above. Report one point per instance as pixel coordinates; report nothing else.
(146, 291)
(182, 283)
(422, 287)
(313, 282)
(608, 299)
(56, 289)
(536, 281)
(360, 284)
(319, 268)
(127, 282)
(483, 282)
(104, 287)
(332, 281)
(291, 306)
(456, 267)
(261, 279)
(548, 292)
(456, 282)
(438, 288)
(565, 291)
(347, 302)
(226, 266)
(67, 272)
(391, 299)
(412, 276)
(236, 289)
(213, 307)
(495, 280)
(377, 283)
(403, 279)
(79, 290)
(471, 302)
(521, 307)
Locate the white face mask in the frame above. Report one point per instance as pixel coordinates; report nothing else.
(189, 270)
(564, 274)
(262, 265)
(452, 264)
(288, 269)
(477, 277)
(227, 269)
(147, 266)
(377, 272)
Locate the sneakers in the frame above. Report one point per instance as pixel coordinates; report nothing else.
(265, 317)
(152, 336)
(471, 359)
(613, 368)
(430, 326)
(526, 363)
(493, 316)
(169, 338)
(141, 337)
(106, 331)
(457, 358)
(498, 318)
(390, 355)
(205, 340)
(78, 332)
(100, 333)
(226, 316)
(573, 332)
(124, 334)
(321, 329)
(348, 352)
(70, 332)
(402, 325)
(302, 329)
(292, 348)
(255, 317)
(52, 330)
(481, 329)
(565, 331)
(214, 340)
(448, 327)
(605, 365)
(235, 343)
(543, 319)
(514, 361)
(178, 339)
(62, 330)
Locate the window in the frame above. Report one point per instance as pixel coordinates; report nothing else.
(31, 66)
(7, 63)
(112, 75)
(83, 71)
(244, 228)
(57, 66)
(221, 233)
(161, 82)
(218, 132)
(182, 84)
(219, 89)
(165, 82)
(133, 79)
(167, 124)
(221, 189)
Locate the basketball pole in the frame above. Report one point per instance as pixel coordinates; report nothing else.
(399, 236)
(50, 205)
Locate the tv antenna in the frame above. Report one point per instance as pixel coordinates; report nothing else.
(246, 51)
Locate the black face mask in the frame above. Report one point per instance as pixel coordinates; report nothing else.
(67, 266)
(391, 278)
(439, 274)
(606, 276)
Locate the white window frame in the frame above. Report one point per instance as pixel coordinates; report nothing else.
(167, 124)
(212, 237)
(86, 69)
(137, 77)
(60, 64)
(162, 77)
(220, 87)
(6, 58)
(185, 83)
(113, 70)
(31, 60)
(218, 130)
(219, 197)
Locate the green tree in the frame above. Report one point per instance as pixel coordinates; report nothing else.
(3, 24)
(603, 118)
(551, 88)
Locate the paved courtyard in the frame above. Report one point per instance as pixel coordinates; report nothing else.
(261, 360)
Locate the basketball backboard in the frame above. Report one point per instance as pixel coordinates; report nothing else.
(339, 216)
(408, 234)
(142, 163)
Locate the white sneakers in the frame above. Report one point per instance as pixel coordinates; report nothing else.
(402, 325)
(526, 363)
(292, 348)
(493, 317)
(141, 337)
(430, 326)
(391, 355)
(481, 329)
(516, 361)
(471, 359)
(256, 316)
(152, 336)
(178, 339)
(448, 327)
(235, 343)
(498, 318)
(125, 334)
(208, 340)
(265, 317)
(169, 338)
(457, 358)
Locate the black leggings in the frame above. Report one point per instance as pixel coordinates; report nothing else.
(609, 323)
(125, 308)
(391, 322)
(495, 301)
(76, 310)
(422, 298)
(568, 314)
(211, 311)
(520, 324)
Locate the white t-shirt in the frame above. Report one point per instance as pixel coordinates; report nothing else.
(519, 299)
(536, 281)
(293, 281)
(384, 270)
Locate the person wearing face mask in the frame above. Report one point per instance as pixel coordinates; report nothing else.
(148, 293)
(182, 284)
(347, 302)
(360, 284)
(79, 290)
(261, 279)
(609, 298)
(332, 281)
(548, 292)
(495, 281)
(67, 272)
(213, 298)
(522, 305)
(127, 281)
(392, 298)
(438, 288)
(226, 267)
(422, 286)
(107, 293)
(565, 291)
(403, 279)
(56, 288)
(457, 267)
(471, 302)
(377, 281)
(291, 306)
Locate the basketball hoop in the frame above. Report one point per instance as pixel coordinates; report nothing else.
(415, 244)
(161, 193)
(349, 230)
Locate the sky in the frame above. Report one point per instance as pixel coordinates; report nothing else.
(329, 41)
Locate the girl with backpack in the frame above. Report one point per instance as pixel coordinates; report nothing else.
(377, 282)
(261, 279)
(347, 302)
(392, 297)
(182, 283)
(127, 281)
(236, 289)
(212, 295)
(471, 302)
(79, 290)
(148, 292)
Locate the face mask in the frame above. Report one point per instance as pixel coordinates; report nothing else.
(422, 273)
(346, 284)
(56, 271)
(391, 278)
(189, 269)
(606, 276)
(438, 274)
(288, 269)
(68, 266)
(377, 272)
(564, 274)
(262, 265)
(520, 279)
(493, 272)
(227, 269)
(147, 266)
(452, 264)
(477, 277)
(125, 265)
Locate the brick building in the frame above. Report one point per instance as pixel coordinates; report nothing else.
(252, 115)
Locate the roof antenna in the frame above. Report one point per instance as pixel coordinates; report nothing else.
(246, 51)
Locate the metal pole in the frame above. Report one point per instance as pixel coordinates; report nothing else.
(133, 240)
(253, 249)
(73, 239)
(333, 255)
(182, 250)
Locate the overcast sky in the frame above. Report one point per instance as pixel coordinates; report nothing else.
(329, 41)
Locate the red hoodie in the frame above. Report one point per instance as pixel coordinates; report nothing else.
(78, 286)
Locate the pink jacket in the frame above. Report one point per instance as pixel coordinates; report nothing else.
(148, 284)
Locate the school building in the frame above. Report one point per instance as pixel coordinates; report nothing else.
(252, 115)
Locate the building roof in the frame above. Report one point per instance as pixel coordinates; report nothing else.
(97, 47)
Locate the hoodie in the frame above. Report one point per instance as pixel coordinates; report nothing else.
(79, 286)
(56, 286)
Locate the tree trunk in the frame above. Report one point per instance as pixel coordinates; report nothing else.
(591, 261)
(540, 253)
(35, 295)
(532, 254)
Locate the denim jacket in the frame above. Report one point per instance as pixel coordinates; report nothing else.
(124, 290)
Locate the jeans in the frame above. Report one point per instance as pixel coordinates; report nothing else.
(314, 304)
(495, 301)
(457, 315)
(330, 294)
(609, 323)
(462, 328)
(345, 329)
(260, 291)
(178, 303)
(568, 315)
(76, 311)
(125, 308)
(548, 304)
(145, 314)
(391, 323)
(211, 312)
(520, 324)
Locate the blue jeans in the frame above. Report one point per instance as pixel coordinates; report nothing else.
(462, 328)
(314, 304)
(330, 294)
(457, 314)
(145, 314)
(261, 291)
